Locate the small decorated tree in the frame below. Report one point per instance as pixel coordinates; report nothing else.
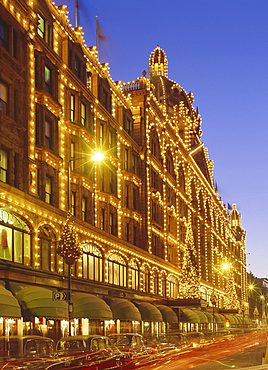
(69, 247)
(231, 301)
(190, 282)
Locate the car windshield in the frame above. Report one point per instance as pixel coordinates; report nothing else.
(71, 345)
(120, 341)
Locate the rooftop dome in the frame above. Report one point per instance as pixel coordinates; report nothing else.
(158, 63)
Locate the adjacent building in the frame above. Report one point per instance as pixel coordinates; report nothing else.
(132, 210)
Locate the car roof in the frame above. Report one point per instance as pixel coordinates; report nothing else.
(24, 337)
(125, 334)
(82, 337)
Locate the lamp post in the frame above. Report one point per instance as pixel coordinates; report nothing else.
(213, 301)
(69, 247)
(243, 309)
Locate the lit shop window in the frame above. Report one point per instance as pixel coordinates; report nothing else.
(117, 270)
(15, 239)
(134, 275)
(47, 245)
(92, 262)
(3, 166)
(3, 98)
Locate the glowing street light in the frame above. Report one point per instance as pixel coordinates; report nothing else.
(98, 157)
(225, 266)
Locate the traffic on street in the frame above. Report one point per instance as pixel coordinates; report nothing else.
(132, 351)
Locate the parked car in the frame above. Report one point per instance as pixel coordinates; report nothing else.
(127, 340)
(197, 339)
(29, 351)
(165, 342)
(89, 350)
(83, 344)
(14, 347)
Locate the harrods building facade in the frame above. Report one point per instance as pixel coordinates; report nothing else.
(59, 105)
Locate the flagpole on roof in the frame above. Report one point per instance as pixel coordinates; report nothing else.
(97, 36)
(76, 7)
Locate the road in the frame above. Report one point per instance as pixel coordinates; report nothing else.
(250, 357)
(232, 352)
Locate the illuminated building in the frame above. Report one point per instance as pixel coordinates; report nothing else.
(58, 106)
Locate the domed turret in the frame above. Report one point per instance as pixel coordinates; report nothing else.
(158, 63)
(235, 218)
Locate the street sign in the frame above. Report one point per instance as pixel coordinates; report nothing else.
(59, 296)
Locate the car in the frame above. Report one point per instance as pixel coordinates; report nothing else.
(28, 346)
(161, 343)
(83, 344)
(127, 340)
(197, 339)
(89, 350)
(16, 351)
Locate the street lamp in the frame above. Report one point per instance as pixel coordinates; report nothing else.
(69, 247)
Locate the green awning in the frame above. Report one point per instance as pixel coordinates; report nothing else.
(232, 319)
(168, 314)
(37, 301)
(149, 312)
(90, 306)
(9, 306)
(124, 310)
(209, 316)
(219, 318)
(203, 318)
(187, 315)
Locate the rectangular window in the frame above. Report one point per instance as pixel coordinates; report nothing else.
(127, 232)
(102, 225)
(72, 108)
(3, 98)
(84, 209)
(77, 67)
(48, 80)
(135, 235)
(73, 203)
(48, 190)
(4, 34)
(17, 165)
(72, 165)
(16, 106)
(48, 134)
(41, 26)
(101, 134)
(126, 159)
(3, 166)
(111, 223)
(83, 114)
(127, 196)
(15, 44)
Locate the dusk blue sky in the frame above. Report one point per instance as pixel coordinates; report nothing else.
(218, 49)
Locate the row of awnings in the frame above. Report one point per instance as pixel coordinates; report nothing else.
(202, 317)
(35, 301)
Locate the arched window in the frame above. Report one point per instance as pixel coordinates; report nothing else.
(47, 247)
(15, 238)
(170, 164)
(201, 205)
(117, 270)
(172, 287)
(203, 294)
(155, 146)
(155, 282)
(134, 275)
(181, 179)
(164, 285)
(208, 213)
(145, 274)
(92, 262)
